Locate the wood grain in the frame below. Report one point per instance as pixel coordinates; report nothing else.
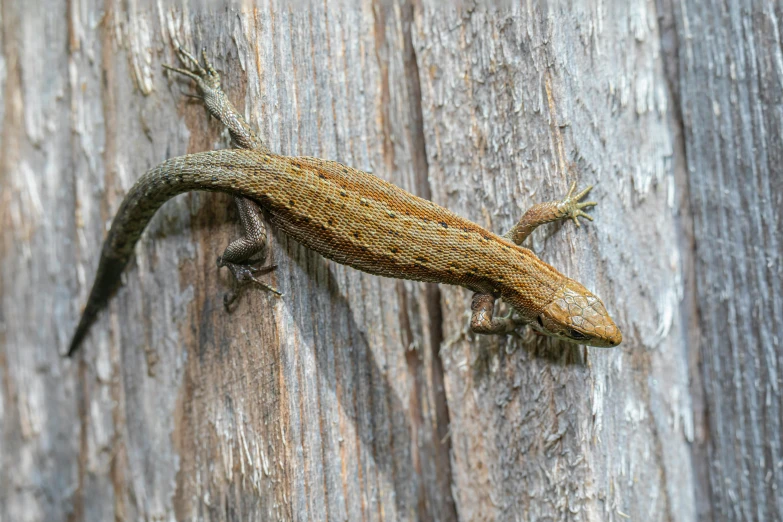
(360, 398)
(327, 404)
(511, 98)
(732, 102)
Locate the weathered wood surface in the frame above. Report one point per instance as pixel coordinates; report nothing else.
(731, 90)
(545, 431)
(326, 403)
(361, 398)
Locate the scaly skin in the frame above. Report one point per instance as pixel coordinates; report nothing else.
(362, 221)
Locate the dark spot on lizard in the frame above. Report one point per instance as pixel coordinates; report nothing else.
(330, 222)
(321, 175)
(356, 235)
(443, 224)
(394, 250)
(421, 259)
(291, 202)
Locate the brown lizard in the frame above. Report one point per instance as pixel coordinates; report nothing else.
(359, 220)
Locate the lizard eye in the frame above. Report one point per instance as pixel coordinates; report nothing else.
(573, 334)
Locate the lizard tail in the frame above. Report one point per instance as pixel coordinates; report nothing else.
(214, 171)
(106, 282)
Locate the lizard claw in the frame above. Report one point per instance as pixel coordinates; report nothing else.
(206, 77)
(570, 206)
(244, 274)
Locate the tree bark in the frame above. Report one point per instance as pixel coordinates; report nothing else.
(355, 397)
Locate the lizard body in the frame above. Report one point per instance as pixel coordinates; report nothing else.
(360, 220)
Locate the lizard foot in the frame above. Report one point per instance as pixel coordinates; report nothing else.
(517, 323)
(206, 77)
(482, 321)
(215, 100)
(570, 207)
(244, 274)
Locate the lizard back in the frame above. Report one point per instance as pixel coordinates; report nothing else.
(360, 220)
(344, 214)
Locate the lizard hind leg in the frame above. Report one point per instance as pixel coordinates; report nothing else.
(242, 254)
(215, 100)
(239, 256)
(206, 77)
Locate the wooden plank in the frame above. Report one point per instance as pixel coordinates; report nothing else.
(732, 102)
(330, 402)
(511, 96)
(327, 403)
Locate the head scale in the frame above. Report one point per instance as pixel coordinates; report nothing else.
(578, 316)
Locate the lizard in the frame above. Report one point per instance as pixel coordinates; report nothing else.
(360, 220)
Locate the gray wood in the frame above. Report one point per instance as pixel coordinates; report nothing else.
(360, 398)
(732, 107)
(542, 430)
(327, 403)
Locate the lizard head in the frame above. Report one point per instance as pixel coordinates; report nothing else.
(578, 316)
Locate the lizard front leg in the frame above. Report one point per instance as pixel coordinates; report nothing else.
(482, 320)
(568, 208)
(238, 255)
(483, 305)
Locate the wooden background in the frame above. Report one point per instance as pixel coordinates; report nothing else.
(360, 398)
